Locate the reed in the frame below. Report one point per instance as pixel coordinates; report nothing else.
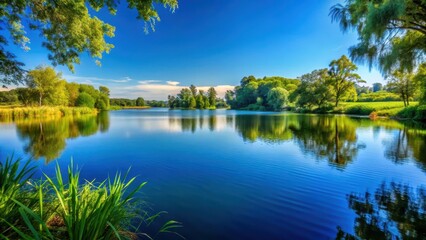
(15, 113)
(70, 209)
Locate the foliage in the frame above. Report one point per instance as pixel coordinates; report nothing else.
(85, 100)
(392, 34)
(140, 102)
(190, 98)
(13, 175)
(69, 28)
(402, 84)
(252, 94)
(313, 90)
(342, 78)
(49, 86)
(277, 98)
(379, 96)
(71, 209)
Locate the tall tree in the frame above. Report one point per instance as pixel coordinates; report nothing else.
(104, 90)
(193, 90)
(402, 83)
(392, 34)
(73, 92)
(44, 80)
(342, 77)
(69, 28)
(212, 94)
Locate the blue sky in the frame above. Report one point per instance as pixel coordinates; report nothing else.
(210, 43)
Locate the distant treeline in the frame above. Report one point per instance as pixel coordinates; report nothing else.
(323, 89)
(191, 98)
(139, 102)
(45, 87)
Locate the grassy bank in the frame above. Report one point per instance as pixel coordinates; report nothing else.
(67, 207)
(380, 109)
(19, 112)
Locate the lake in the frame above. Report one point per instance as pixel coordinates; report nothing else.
(247, 175)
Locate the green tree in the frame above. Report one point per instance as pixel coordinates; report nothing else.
(420, 79)
(69, 28)
(85, 100)
(192, 102)
(27, 96)
(73, 92)
(45, 81)
(185, 97)
(277, 98)
(313, 90)
(402, 83)
(193, 90)
(342, 77)
(392, 34)
(104, 90)
(200, 100)
(212, 94)
(140, 102)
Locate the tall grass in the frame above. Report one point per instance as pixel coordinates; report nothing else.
(71, 209)
(13, 113)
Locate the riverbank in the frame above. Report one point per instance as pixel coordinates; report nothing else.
(394, 110)
(20, 112)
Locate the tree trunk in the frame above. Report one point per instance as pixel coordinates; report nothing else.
(39, 100)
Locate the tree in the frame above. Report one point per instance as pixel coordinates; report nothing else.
(420, 79)
(69, 28)
(140, 101)
(313, 90)
(392, 34)
(185, 97)
(377, 87)
(200, 100)
(402, 83)
(277, 98)
(85, 100)
(27, 96)
(45, 81)
(192, 102)
(212, 94)
(104, 90)
(342, 77)
(73, 92)
(193, 90)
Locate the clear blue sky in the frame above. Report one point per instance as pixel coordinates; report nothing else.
(211, 43)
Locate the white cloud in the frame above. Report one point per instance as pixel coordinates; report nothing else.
(149, 81)
(92, 80)
(173, 83)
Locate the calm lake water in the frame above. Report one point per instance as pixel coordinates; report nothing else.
(247, 175)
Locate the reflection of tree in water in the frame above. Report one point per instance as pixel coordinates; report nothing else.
(195, 122)
(393, 212)
(333, 138)
(407, 143)
(265, 128)
(47, 138)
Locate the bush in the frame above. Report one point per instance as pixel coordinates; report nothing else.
(420, 113)
(359, 110)
(85, 100)
(408, 112)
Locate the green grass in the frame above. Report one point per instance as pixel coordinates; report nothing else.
(70, 208)
(18, 112)
(365, 108)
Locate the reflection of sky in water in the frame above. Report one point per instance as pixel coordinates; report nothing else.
(245, 175)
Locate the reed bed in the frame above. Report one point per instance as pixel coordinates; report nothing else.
(15, 113)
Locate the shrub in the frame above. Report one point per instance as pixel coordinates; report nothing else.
(85, 100)
(420, 113)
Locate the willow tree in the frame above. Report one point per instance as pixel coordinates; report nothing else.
(392, 34)
(68, 29)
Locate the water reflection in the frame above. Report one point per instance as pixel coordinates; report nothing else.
(394, 211)
(47, 138)
(331, 138)
(406, 143)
